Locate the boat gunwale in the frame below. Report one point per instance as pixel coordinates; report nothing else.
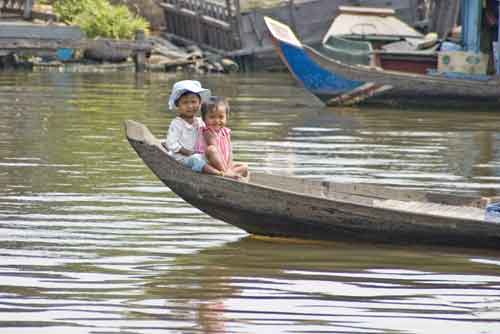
(396, 75)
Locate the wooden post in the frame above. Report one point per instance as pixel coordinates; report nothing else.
(229, 18)
(413, 10)
(291, 8)
(496, 47)
(236, 24)
(229, 8)
(444, 16)
(199, 25)
(140, 55)
(471, 24)
(28, 5)
(496, 57)
(8, 62)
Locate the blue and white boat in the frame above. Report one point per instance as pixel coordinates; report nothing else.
(378, 58)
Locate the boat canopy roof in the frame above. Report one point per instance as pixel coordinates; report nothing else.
(369, 23)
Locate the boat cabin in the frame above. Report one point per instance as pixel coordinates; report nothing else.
(377, 37)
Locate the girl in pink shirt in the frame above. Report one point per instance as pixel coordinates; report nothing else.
(215, 139)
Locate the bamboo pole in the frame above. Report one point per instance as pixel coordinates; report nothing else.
(28, 5)
(140, 55)
(293, 24)
(237, 23)
(496, 47)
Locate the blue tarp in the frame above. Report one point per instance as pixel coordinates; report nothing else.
(471, 24)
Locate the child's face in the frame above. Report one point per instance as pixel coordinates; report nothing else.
(216, 118)
(188, 105)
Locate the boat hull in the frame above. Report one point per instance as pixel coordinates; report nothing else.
(264, 210)
(324, 84)
(340, 228)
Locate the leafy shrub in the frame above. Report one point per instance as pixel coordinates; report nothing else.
(69, 9)
(98, 18)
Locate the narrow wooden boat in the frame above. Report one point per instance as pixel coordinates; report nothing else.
(273, 205)
(337, 82)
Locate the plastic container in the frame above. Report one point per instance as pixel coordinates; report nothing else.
(65, 54)
(450, 46)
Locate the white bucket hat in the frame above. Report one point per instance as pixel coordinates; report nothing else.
(184, 86)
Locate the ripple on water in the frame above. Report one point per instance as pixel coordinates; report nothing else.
(92, 242)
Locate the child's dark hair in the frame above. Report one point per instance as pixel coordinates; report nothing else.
(184, 94)
(212, 103)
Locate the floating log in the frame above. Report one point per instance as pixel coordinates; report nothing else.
(24, 30)
(112, 48)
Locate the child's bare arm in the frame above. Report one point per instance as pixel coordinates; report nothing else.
(212, 152)
(210, 138)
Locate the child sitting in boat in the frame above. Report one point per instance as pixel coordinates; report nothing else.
(214, 141)
(186, 98)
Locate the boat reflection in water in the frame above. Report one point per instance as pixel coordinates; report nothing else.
(277, 285)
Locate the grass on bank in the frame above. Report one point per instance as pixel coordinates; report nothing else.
(99, 18)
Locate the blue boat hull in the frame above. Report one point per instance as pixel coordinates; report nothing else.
(320, 82)
(330, 87)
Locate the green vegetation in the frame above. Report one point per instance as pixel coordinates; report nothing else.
(68, 10)
(98, 18)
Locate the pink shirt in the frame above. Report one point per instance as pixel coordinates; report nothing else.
(223, 140)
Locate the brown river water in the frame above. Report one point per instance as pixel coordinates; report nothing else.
(92, 242)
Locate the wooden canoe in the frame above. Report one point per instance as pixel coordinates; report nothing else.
(338, 83)
(273, 205)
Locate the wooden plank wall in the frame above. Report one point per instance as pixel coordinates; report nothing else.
(26, 30)
(203, 22)
(310, 19)
(443, 16)
(243, 35)
(6, 5)
(223, 26)
(22, 7)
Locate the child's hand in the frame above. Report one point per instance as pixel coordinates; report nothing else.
(186, 152)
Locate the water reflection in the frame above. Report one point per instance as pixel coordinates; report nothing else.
(332, 287)
(92, 242)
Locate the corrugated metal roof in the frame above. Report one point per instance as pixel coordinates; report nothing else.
(370, 24)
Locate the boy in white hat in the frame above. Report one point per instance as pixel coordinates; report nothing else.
(186, 99)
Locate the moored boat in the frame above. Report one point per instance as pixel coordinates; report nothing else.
(380, 59)
(280, 206)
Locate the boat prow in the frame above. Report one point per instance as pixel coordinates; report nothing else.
(329, 87)
(137, 132)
